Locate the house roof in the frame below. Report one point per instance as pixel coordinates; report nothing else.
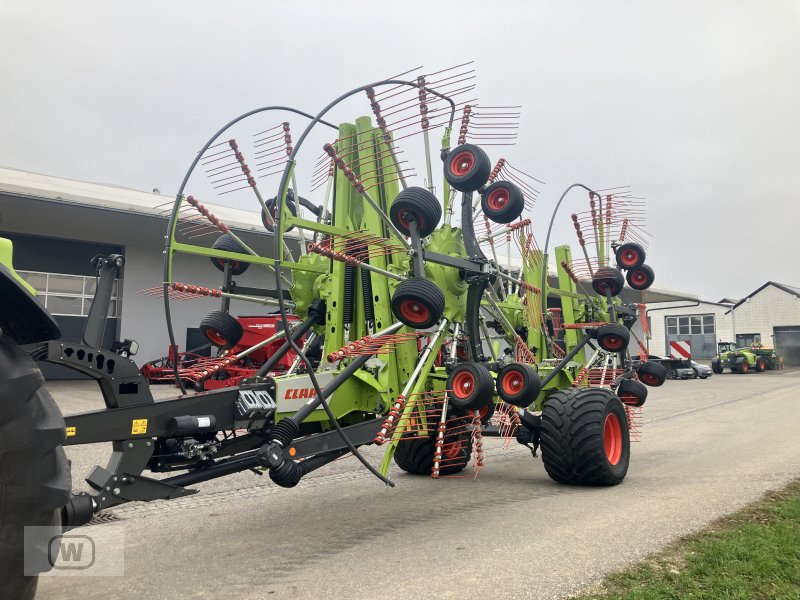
(111, 197)
(790, 289)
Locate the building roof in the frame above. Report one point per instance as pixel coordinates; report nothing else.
(790, 289)
(111, 197)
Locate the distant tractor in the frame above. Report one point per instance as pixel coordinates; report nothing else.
(742, 360)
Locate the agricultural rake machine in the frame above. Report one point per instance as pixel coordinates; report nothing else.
(437, 321)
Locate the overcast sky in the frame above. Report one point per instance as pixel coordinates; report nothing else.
(694, 104)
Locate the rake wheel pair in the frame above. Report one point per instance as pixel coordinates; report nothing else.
(467, 168)
(631, 257)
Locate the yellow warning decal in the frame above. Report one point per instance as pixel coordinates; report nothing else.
(138, 426)
(70, 431)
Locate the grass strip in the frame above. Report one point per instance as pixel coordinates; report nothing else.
(751, 554)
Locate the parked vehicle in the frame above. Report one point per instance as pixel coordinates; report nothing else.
(701, 371)
(740, 360)
(676, 368)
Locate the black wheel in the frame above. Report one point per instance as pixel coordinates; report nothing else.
(272, 207)
(471, 386)
(418, 303)
(419, 205)
(502, 202)
(227, 243)
(630, 256)
(761, 365)
(672, 374)
(467, 168)
(641, 277)
(742, 366)
(716, 367)
(415, 456)
(632, 392)
(651, 373)
(518, 384)
(34, 473)
(221, 329)
(694, 374)
(613, 337)
(608, 278)
(585, 437)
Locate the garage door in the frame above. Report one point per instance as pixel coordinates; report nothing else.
(787, 343)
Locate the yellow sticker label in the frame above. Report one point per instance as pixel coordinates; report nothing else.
(70, 431)
(138, 426)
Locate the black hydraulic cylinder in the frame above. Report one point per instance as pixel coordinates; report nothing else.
(567, 358)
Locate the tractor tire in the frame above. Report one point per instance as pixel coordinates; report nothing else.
(641, 278)
(471, 386)
(742, 366)
(34, 473)
(613, 337)
(630, 256)
(228, 244)
(631, 392)
(585, 438)
(652, 374)
(518, 384)
(716, 367)
(467, 168)
(418, 303)
(415, 455)
(502, 202)
(221, 329)
(761, 365)
(419, 205)
(608, 278)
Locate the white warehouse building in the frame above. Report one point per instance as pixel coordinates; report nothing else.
(769, 315)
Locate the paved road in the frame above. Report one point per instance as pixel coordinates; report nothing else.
(707, 448)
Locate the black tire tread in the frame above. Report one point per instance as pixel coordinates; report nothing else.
(415, 456)
(571, 437)
(224, 324)
(32, 459)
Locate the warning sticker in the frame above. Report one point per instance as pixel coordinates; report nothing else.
(138, 426)
(70, 431)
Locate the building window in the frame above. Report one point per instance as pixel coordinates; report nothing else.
(691, 325)
(69, 295)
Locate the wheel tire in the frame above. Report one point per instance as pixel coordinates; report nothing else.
(502, 202)
(415, 456)
(221, 329)
(761, 365)
(418, 303)
(418, 204)
(471, 386)
(742, 366)
(467, 168)
(34, 473)
(652, 374)
(632, 392)
(608, 278)
(272, 204)
(613, 337)
(641, 277)
(585, 438)
(518, 384)
(716, 367)
(672, 374)
(630, 256)
(228, 244)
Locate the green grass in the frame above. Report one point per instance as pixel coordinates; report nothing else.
(752, 554)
